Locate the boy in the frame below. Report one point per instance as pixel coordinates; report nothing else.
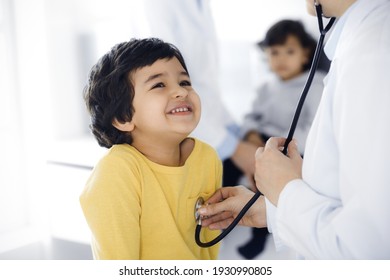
(139, 201)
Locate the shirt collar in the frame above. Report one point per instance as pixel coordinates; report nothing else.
(331, 44)
(348, 24)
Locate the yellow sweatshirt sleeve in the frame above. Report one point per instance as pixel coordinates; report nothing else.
(111, 205)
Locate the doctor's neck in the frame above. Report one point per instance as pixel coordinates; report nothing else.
(331, 8)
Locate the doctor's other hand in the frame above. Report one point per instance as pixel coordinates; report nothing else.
(274, 169)
(226, 203)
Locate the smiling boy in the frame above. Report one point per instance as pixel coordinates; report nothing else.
(139, 200)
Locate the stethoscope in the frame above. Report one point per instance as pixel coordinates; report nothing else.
(294, 122)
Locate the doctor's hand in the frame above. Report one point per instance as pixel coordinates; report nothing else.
(226, 203)
(274, 170)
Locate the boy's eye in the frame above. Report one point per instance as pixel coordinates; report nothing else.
(185, 83)
(158, 85)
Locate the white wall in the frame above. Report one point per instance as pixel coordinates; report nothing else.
(24, 123)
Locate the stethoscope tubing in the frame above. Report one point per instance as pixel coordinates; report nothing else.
(290, 135)
(313, 67)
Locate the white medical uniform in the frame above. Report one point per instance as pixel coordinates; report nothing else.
(341, 208)
(189, 26)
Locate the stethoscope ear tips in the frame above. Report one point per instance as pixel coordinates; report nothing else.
(198, 204)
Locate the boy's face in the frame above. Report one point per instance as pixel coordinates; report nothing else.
(287, 60)
(165, 104)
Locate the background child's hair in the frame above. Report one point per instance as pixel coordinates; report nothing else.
(277, 35)
(109, 93)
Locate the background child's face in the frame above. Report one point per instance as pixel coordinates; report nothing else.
(165, 103)
(287, 60)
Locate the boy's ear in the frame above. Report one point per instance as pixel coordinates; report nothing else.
(123, 126)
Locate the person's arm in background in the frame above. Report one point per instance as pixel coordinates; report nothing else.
(250, 129)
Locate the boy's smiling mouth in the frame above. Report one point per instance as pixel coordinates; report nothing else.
(181, 109)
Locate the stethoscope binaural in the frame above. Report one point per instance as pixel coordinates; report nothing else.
(294, 122)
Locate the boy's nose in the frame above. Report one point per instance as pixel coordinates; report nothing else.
(180, 92)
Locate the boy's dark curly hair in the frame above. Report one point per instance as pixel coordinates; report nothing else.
(109, 93)
(277, 35)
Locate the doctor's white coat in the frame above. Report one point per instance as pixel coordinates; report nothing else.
(341, 208)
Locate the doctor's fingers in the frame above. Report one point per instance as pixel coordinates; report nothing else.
(275, 143)
(219, 221)
(268, 161)
(216, 204)
(270, 153)
(224, 193)
(226, 199)
(217, 196)
(293, 151)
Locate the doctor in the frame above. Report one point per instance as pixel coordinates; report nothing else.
(336, 204)
(189, 25)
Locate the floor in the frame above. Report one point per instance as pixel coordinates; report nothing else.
(64, 250)
(239, 236)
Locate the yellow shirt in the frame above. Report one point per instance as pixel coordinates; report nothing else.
(137, 209)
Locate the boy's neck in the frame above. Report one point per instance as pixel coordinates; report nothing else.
(168, 154)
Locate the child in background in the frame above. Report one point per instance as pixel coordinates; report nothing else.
(289, 50)
(139, 200)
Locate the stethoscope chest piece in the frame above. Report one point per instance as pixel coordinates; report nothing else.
(198, 204)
